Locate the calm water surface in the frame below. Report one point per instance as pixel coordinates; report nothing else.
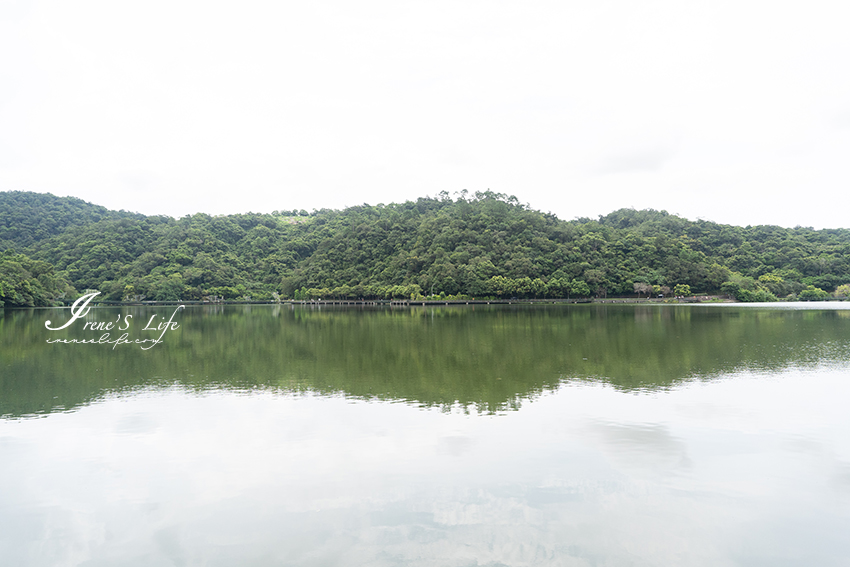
(561, 435)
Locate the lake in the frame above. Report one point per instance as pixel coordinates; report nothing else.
(576, 435)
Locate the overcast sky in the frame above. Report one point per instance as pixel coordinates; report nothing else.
(735, 112)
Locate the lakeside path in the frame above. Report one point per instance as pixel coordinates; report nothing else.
(402, 302)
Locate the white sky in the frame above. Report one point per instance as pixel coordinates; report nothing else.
(737, 112)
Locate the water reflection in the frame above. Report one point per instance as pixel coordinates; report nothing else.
(704, 473)
(581, 435)
(490, 359)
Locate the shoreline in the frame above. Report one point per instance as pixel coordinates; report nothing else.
(695, 300)
(421, 302)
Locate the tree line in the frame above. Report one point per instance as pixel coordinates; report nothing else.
(478, 245)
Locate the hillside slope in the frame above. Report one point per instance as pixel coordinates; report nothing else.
(487, 244)
(26, 218)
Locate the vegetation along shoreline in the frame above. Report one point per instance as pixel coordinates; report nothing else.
(467, 248)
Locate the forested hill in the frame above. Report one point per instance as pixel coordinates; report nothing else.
(482, 245)
(26, 218)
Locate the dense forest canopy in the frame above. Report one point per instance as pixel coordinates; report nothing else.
(473, 245)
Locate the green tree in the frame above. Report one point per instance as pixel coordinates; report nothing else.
(812, 293)
(25, 282)
(774, 283)
(580, 288)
